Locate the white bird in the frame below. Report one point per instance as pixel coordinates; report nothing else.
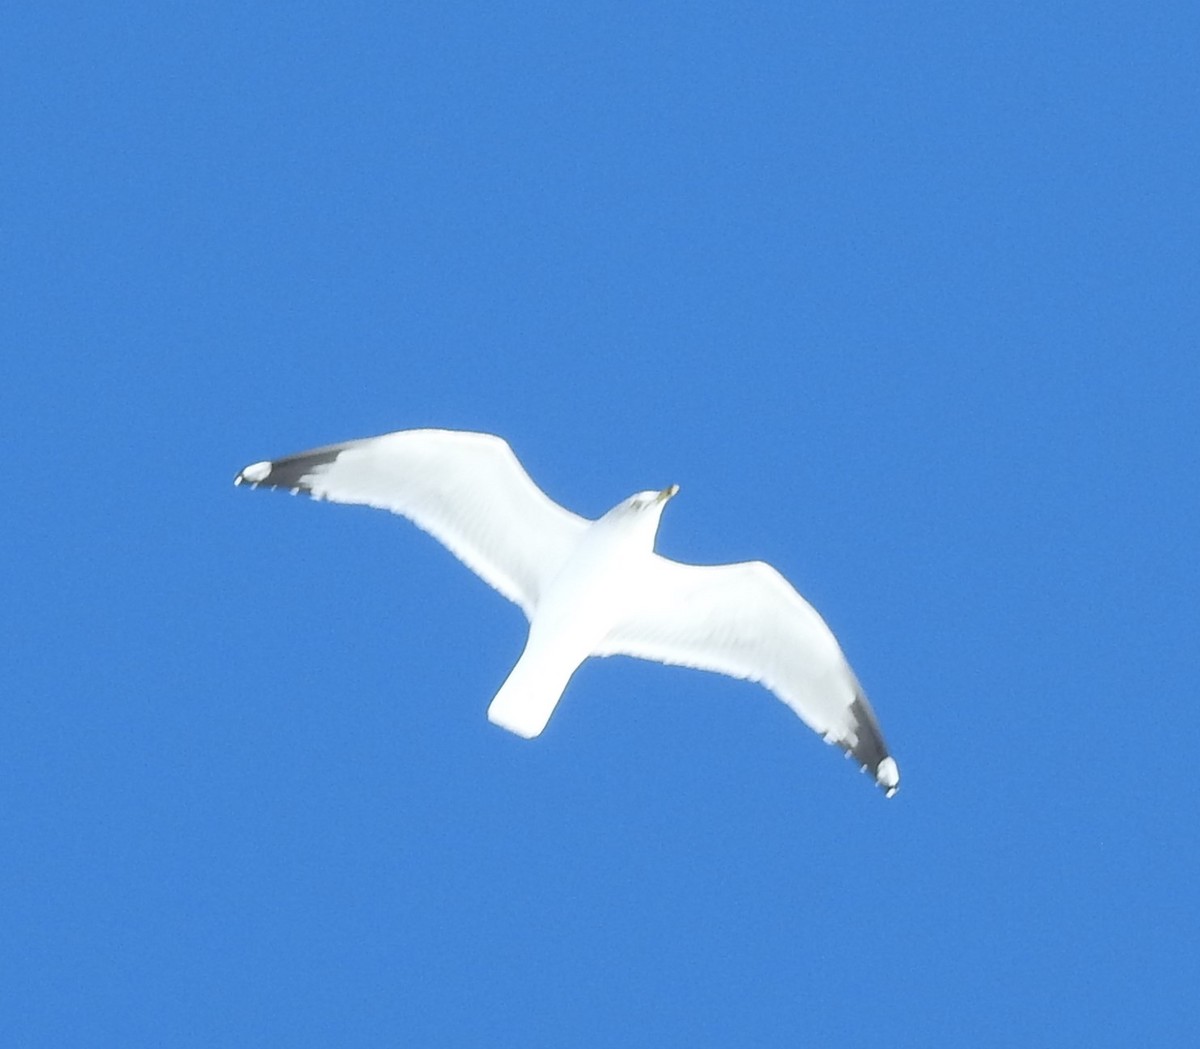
(594, 588)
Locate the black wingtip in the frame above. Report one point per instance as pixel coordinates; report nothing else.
(869, 749)
(293, 473)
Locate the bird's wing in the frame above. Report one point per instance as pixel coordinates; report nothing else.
(465, 489)
(747, 621)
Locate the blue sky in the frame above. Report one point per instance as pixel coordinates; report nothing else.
(903, 298)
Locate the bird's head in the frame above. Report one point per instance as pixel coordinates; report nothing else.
(638, 515)
(652, 501)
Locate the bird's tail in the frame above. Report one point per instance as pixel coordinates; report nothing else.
(532, 691)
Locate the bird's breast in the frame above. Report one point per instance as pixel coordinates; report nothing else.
(593, 590)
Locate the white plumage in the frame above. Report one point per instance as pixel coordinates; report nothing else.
(594, 588)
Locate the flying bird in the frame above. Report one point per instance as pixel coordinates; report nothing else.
(594, 588)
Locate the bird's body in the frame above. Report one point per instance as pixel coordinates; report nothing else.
(599, 587)
(594, 587)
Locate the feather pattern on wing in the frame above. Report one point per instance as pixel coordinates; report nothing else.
(745, 620)
(467, 490)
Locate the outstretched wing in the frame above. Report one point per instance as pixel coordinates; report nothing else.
(747, 621)
(465, 489)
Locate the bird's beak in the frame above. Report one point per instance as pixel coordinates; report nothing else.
(667, 493)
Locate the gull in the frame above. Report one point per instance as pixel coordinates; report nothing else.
(594, 588)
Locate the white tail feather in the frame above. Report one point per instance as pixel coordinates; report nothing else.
(529, 695)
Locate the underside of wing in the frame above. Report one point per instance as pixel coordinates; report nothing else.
(745, 620)
(466, 489)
